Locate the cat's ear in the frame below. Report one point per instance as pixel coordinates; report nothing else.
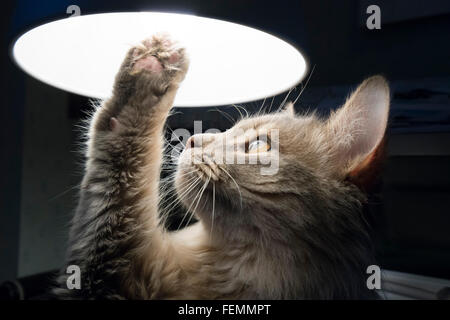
(288, 109)
(357, 129)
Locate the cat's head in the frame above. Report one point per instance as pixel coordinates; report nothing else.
(277, 173)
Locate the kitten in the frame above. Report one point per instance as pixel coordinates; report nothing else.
(295, 234)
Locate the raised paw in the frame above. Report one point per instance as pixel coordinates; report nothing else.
(155, 64)
(159, 54)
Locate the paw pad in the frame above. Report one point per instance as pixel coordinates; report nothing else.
(156, 54)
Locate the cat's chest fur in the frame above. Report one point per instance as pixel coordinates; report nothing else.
(237, 271)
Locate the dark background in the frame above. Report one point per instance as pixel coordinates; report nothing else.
(39, 162)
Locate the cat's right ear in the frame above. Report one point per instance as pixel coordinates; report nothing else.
(357, 129)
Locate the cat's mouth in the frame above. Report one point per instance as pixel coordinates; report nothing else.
(202, 180)
(207, 169)
(204, 189)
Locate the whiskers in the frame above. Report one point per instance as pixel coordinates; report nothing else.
(195, 200)
(213, 209)
(226, 115)
(196, 191)
(304, 86)
(235, 183)
(170, 199)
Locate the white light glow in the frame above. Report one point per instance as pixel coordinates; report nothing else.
(230, 63)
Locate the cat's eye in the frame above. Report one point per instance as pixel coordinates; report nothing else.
(258, 145)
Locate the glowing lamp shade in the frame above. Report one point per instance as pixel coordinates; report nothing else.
(230, 63)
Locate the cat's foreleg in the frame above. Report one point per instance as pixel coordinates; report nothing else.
(115, 238)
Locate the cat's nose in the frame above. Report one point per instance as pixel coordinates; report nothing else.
(190, 143)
